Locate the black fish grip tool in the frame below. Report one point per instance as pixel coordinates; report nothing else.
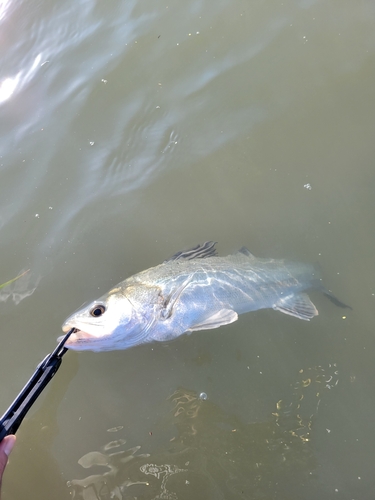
(12, 418)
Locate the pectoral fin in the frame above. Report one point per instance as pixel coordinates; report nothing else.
(223, 317)
(299, 306)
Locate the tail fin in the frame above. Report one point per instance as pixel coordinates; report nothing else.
(333, 298)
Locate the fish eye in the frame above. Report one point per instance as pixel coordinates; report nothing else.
(97, 311)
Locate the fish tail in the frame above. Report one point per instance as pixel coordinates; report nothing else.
(333, 298)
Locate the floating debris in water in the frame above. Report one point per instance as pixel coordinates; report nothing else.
(115, 429)
(203, 396)
(307, 186)
(14, 279)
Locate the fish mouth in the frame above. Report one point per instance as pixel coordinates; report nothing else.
(83, 329)
(75, 337)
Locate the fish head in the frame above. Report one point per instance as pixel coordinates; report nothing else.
(109, 323)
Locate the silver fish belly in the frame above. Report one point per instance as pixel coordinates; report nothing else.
(193, 290)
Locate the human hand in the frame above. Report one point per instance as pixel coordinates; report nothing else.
(6, 447)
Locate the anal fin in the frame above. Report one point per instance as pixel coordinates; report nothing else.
(299, 306)
(222, 317)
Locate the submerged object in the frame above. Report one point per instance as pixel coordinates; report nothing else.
(193, 290)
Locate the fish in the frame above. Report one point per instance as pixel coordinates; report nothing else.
(193, 290)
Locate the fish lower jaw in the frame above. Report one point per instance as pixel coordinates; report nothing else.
(77, 336)
(80, 333)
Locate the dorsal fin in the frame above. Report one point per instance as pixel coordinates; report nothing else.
(246, 252)
(207, 249)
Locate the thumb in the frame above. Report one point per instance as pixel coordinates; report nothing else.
(6, 447)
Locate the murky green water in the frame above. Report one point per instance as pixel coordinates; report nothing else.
(130, 130)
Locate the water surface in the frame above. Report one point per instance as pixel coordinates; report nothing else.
(131, 130)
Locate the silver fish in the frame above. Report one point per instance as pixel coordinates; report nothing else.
(193, 290)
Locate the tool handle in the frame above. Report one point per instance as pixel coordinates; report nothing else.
(12, 418)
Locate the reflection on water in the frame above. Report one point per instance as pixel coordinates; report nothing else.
(215, 454)
(105, 485)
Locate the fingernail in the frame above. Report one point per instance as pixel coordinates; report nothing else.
(9, 442)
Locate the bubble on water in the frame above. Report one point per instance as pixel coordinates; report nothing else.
(307, 186)
(203, 396)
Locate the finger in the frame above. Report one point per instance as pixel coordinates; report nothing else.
(6, 447)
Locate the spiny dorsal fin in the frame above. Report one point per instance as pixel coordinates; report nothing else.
(207, 249)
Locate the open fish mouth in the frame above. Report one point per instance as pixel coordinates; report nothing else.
(77, 336)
